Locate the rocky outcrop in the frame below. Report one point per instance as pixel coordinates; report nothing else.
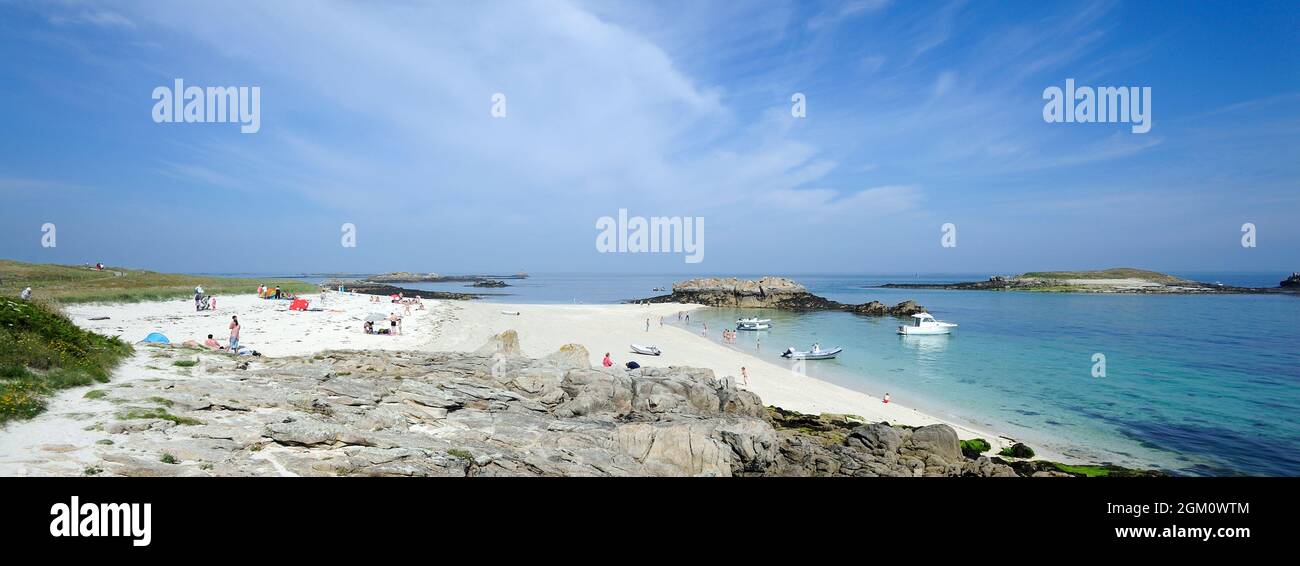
(367, 288)
(770, 292)
(490, 283)
(404, 277)
(1291, 283)
(837, 445)
(492, 412)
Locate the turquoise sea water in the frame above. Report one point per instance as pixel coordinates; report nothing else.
(1204, 385)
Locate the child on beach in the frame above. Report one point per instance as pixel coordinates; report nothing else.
(607, 362)
(886, 399)
(744, 375)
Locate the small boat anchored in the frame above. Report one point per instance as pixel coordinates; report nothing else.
(816, 353)
(647, 350)
(753, 323)
(926, 325)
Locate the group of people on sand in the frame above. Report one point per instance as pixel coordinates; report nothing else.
(728, 336)
(394, 326)
(231, 346)
(203, 302)
(266, 292)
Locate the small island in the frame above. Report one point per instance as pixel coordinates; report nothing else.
(1114, 280)
(771, 293)
(408, 277)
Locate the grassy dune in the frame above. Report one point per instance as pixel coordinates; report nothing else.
(77, 284)
(41, 352)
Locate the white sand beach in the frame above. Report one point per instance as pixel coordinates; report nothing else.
(271, 329)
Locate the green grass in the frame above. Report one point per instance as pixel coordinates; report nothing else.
(77, 284)
(167, 458)
(974, 447)
(462, 454)
(95, 394)
(162, 401)
(1089, 471)
(41, 352)
(186, 363)
(1113, 273)
(157, 413)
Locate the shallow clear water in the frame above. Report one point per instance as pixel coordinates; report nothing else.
(1194, 384)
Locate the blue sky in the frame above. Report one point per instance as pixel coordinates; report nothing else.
(918, 114)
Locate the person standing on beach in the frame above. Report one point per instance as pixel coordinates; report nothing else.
(647, 325)
(234, 334)
(744, 375)
(886, 399)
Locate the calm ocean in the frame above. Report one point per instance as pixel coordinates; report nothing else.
(1203, 385)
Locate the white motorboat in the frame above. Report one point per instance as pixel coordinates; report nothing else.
(925, 325)
(816, 353)
(753, 324)
(647, 350)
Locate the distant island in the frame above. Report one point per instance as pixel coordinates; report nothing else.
(770, 292)
(408, 277)
(1114, 280)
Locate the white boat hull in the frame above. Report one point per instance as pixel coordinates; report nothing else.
(822, 355)
(646, 350)
(753, 324)
(925, 330)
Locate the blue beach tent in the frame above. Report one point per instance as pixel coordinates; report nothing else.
(155, 338)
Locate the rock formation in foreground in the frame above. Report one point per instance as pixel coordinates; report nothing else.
(770, 292)
(487, 413)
